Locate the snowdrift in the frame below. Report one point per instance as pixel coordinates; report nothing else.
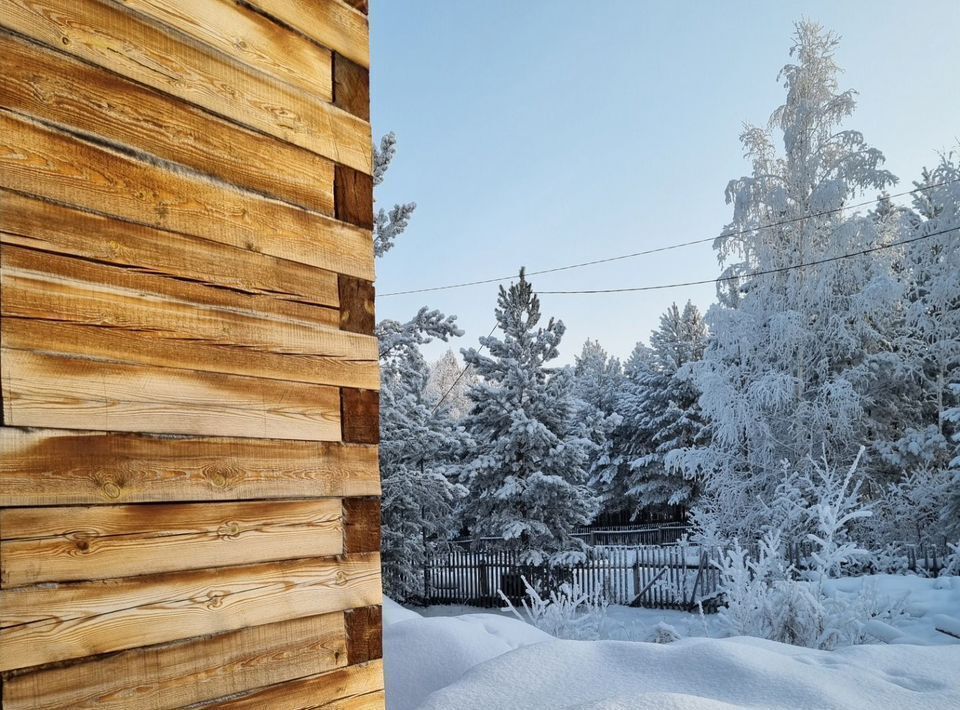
(422, 655)
(706, 674)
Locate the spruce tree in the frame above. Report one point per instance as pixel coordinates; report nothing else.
(528, 470)
(662, 417)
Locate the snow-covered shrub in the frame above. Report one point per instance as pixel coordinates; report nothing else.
(951, 565)
(567, 613)
(761, 599)
(764, 600)
(664, 633)
(819, 504)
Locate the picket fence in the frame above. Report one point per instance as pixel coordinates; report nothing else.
(662, 577)
(658, 576)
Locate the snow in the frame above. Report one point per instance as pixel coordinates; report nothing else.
(923, 601)
(426, 654)
(456, 658)
(696, 674)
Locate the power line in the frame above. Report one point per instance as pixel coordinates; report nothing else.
(462, 373)
(669, 247)
(764, 272)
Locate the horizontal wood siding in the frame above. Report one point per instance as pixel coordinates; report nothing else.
(189, 484)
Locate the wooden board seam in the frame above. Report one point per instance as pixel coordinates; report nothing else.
(133, 153)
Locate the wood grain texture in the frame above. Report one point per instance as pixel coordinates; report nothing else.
(353, 197)
(360, 415)
(53, 165)
(352, 688)
(48, 624)
(41, 467)
(330, 22)
(357, 306)
(249, 38)
(74, 544)
(364, 634)
(361, 525)
(361, 5)
(112, 37)
(89, 309)
(136, 348)
(351, 87)
(57, 229)
(71, 393)
(57, 88)
(55, 287)
(184, 673)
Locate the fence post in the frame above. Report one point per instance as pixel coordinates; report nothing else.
(484, 582)
(426, 579)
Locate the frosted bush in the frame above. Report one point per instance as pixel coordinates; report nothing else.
(567, 613)
(951, 565)
(764, 600)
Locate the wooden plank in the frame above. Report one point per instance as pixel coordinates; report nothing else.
(364, 634)
(329, 22)
(48, 227)
(49, 624)
(368, 701)
(351, 87)
(351, 684)
(360, 415)
(135, 348)
(361, 5)
(56, 166)
(75, 544)
(361, 525)
(175, 675)
(88, 309)
(55, 87)
(52, 467)
(248, 37)
(353, 196)
(46, 390)
(114, 38)
(357, 306)
(45, 285)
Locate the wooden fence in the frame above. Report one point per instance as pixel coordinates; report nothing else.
(669, 576)
(189, 510)
(662, 577)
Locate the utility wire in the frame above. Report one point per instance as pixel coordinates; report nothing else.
(764, 272)
(645, 252)
(466, 367)
(778, 270)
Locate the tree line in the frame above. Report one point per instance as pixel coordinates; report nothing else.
(834, 344)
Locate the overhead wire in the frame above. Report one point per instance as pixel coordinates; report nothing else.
(762, 272)
(722, 279)
(723, 235)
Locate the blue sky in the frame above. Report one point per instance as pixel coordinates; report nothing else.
(545, 133)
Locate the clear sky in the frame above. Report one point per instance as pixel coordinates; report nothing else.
(544, 133)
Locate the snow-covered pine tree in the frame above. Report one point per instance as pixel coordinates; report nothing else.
(790, 359)
(419, 447)
(931, 342)
(527, 475)
(598, 379)
(420, 451)
(450, 381)
(387, 226)
(951, 512)
(662, 419)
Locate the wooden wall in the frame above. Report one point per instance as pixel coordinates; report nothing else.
(189, 511)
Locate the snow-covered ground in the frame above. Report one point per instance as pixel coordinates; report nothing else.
(458, 658)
